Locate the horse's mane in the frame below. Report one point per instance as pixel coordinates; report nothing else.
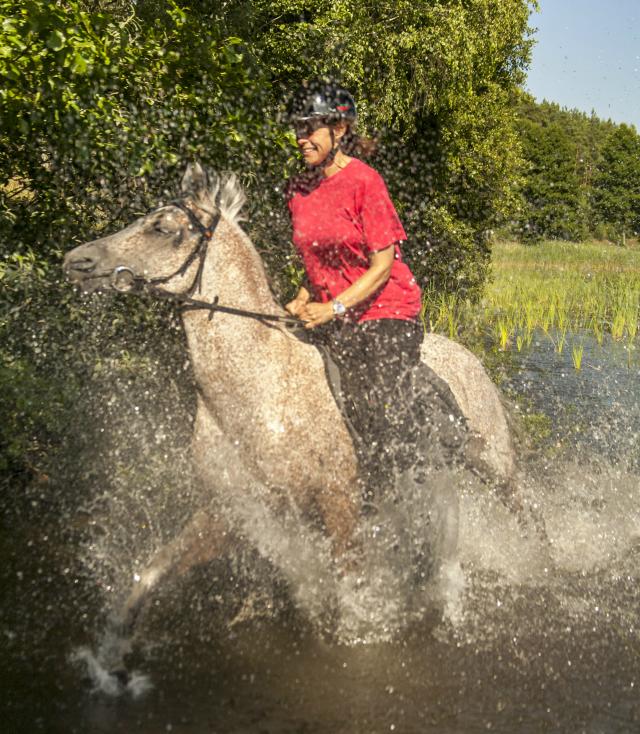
(224, 194)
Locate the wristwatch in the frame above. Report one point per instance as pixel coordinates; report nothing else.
(339, 309)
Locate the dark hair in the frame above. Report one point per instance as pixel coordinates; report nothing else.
(358, 145)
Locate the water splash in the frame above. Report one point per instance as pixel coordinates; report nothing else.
(392, 578)
(498, 569)
(106, 680)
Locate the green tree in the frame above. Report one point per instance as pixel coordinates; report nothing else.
(436, 79)
(103, 101)
(553, 196)
(97, 113)
(617, 183)
(562, 150)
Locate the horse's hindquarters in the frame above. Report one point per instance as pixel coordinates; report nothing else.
(479, 401)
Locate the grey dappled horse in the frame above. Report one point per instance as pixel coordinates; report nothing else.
(266, 416)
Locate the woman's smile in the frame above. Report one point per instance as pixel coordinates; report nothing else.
(315, 145)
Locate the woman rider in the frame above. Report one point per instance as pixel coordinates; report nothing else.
(360, 299)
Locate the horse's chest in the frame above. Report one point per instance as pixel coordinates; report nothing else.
(283, 450)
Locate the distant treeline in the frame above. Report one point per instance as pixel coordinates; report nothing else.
(580, 175)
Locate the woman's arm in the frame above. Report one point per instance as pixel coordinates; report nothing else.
(367, 284)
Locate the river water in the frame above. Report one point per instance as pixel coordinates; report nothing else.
(540, 635)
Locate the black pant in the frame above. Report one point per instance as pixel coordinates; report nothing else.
(402, 415)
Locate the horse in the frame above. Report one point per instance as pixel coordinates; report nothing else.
(266, 415)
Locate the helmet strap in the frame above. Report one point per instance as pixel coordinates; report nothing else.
(332, 153)
(334, 149)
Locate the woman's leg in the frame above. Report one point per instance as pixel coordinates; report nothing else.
(403, 415)
(391, 352)
(374, 359)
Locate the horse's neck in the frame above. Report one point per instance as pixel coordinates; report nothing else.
(235, 354)
(234, 271)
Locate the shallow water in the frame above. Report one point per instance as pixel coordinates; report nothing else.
(595, 409)
(541, 637)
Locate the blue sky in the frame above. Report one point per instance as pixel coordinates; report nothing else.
(587, 57)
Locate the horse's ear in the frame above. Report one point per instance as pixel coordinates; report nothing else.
(195, 180)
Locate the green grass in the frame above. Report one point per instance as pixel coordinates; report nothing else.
(560, 288)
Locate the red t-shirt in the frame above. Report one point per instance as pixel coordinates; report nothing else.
(337, 225)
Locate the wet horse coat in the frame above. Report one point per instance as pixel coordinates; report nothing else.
(265, 414)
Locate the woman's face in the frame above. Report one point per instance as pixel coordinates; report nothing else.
(315, 140)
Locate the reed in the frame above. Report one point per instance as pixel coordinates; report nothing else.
(560, 288)
(577, 351)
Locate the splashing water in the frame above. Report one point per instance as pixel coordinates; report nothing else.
(404, 571)
(510, 624)
(107, 681)
(507, 595)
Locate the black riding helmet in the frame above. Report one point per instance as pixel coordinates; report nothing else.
(322, 99)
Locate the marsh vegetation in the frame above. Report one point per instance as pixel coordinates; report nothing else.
(564, 290)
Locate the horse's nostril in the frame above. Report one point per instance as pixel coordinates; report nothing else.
(83, 265)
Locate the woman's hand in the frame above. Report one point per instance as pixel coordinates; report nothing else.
(295, 307)
(299, 302)
(315, 314)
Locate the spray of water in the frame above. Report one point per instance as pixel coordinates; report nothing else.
(404, 569)
(106, 680)
(403, 563)
(407, 564)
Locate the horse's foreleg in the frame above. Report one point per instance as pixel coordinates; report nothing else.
(203, 539)
(340, 513)
(206, 536)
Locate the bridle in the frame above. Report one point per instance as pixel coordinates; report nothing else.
(199, 251)
(186, 301)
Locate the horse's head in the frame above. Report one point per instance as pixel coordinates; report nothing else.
(166, 247)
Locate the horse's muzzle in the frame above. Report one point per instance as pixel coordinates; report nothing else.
(73, 266)
(82, 271)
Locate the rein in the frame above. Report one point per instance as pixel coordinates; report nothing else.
(191, 304)
(187, 302)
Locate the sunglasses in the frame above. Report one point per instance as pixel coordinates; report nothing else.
(305, 128)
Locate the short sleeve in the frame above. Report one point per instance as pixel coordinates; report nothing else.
(380, 222)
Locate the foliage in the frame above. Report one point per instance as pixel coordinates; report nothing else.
(112, 102)
(95, 113)
(103, 101)
(434, 80)
(552, 191)
(617, 183)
